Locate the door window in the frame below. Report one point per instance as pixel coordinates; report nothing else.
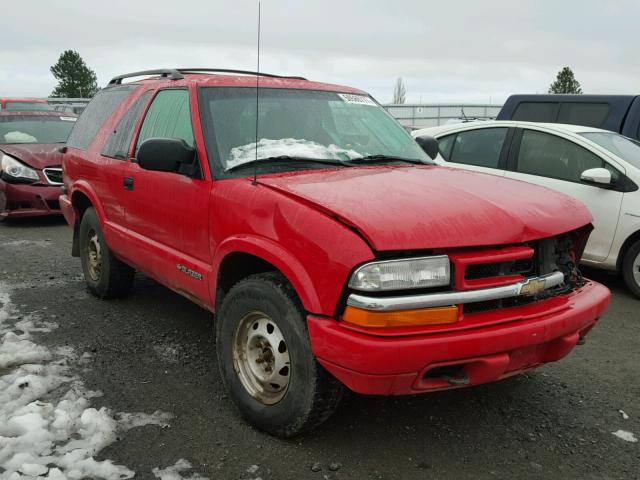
(551, 156)
(168, 117)
(480, 147)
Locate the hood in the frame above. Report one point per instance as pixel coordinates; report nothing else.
(413, 208)
(36, 155)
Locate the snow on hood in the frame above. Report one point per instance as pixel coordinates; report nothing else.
(291, 147)
(57, 438)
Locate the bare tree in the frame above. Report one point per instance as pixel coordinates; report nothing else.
(399, 93)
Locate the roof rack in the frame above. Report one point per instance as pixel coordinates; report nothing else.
(170, 73)
(177, 74)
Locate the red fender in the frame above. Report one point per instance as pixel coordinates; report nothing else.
(276, 255)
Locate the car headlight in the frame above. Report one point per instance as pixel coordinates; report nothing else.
(17, 170)
(423, 272)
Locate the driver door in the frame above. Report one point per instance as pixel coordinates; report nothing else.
(167, 213)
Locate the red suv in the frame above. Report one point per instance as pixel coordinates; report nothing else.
(331, 251)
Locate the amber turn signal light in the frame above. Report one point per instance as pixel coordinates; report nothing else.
(401, 318)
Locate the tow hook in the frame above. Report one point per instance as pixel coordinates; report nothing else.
(581, 341)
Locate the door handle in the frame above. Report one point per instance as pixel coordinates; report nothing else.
(128, 183)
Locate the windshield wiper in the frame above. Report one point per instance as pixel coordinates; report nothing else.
(286, 159)
(371, 159)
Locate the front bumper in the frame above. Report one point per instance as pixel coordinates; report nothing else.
(538, 333)
(24, 200)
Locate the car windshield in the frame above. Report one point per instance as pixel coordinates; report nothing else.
(623, 147)
(35, 129)
(27, 106)
(300, 124)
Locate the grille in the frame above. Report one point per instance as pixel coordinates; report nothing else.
(545, 256)
(488, 270)
(53, 175)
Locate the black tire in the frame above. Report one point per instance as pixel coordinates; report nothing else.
(113, 278)
(312, 394)
(628, 269)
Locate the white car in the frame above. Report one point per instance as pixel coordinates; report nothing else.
(598, 167)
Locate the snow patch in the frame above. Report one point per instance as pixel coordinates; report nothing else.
(288, 146)
(626, 436)
(624, 415)
(47, 427)
(19, 137)
(176, 471)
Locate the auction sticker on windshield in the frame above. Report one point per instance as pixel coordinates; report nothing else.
(359, 99)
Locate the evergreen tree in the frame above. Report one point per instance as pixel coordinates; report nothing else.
(565, 82)
(75, 79)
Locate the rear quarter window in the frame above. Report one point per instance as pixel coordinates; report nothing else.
(97, 112)
(119, 141)
(587, 114)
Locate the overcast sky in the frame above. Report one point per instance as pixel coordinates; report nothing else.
(455, 51)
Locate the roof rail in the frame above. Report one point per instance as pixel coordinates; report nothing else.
(227, 70)
(170, 73)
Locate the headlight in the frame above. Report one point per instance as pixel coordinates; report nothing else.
(421, 272)
(15, 169)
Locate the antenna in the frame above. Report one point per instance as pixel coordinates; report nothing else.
(255, 165)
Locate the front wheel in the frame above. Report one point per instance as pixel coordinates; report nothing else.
(266, 361)
(631, 268)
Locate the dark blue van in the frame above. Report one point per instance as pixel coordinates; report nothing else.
(618, 113)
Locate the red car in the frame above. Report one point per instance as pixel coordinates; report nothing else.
(23, 104)
(331, 251)
(30, 170)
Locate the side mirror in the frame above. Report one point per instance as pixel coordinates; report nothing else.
(165, 154)
(429, 145)
(596, 176)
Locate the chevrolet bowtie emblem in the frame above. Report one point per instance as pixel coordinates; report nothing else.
(532, 287)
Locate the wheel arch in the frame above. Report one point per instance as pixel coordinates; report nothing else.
(238, 258)
(631, 240)
(82, 198)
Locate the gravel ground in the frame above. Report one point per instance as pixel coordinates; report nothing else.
(154, 351)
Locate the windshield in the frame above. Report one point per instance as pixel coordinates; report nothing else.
(35, 129)
(623, 147)
(27, 106)
(303, 124)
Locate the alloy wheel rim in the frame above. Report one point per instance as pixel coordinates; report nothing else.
(261, 358)
(94, 255)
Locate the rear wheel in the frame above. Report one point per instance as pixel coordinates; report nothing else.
(266, 361)
(106, 276)
(631, 268)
